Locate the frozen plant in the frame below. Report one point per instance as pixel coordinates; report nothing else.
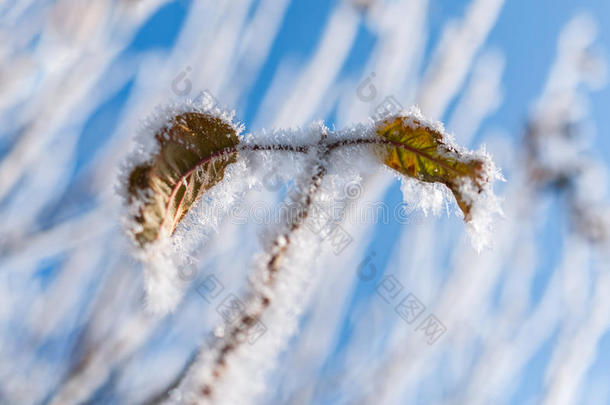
(189, 156)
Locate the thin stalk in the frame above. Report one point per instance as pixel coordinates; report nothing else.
(278, 251)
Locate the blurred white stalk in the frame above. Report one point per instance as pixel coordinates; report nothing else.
(322, 70)
(481, 97)
(452, 59)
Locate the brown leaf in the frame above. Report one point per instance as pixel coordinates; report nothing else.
(194, 150)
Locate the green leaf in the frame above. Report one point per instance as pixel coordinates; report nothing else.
(421, 152)
(193, 151)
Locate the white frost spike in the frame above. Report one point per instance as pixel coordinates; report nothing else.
(485, 207)
(485, 204)
(162, 283)
(424, 196)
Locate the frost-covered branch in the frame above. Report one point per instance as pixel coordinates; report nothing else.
(191, 153)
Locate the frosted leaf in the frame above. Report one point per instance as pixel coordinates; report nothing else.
(183, 150)
(422, 151)
(193, 151)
